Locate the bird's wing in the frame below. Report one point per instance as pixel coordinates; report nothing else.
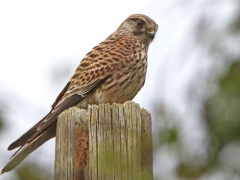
(93, 69)
(100, 63)
(60, 105)
(46, 128)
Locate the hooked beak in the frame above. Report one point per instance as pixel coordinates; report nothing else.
(151, 34)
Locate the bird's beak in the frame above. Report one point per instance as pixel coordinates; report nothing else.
(151, 34)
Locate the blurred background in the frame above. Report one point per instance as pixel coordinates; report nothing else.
(192, 88)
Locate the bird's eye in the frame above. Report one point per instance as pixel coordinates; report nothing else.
(140, 23)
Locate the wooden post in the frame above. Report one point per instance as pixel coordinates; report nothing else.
(104, 142)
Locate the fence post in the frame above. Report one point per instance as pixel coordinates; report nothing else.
(104, 142)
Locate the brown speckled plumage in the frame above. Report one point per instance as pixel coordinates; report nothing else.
(113, 71)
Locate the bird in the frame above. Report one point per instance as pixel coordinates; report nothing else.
(114, 71)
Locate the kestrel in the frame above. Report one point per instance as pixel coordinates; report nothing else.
(112, 72)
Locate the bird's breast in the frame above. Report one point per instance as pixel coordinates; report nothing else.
(123, 84)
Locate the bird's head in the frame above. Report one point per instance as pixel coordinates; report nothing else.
(141, 26)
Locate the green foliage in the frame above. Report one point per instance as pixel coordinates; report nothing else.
(189, 171)
(2, 115)
(32, 171)
(223, 109)
(169, 135)
(1, 122)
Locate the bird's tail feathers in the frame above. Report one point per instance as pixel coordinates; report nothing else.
(25, 150)
(20, 142)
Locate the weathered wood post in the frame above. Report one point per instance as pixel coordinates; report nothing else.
(104, 142)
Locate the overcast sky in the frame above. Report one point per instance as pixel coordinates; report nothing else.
(40, 37)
